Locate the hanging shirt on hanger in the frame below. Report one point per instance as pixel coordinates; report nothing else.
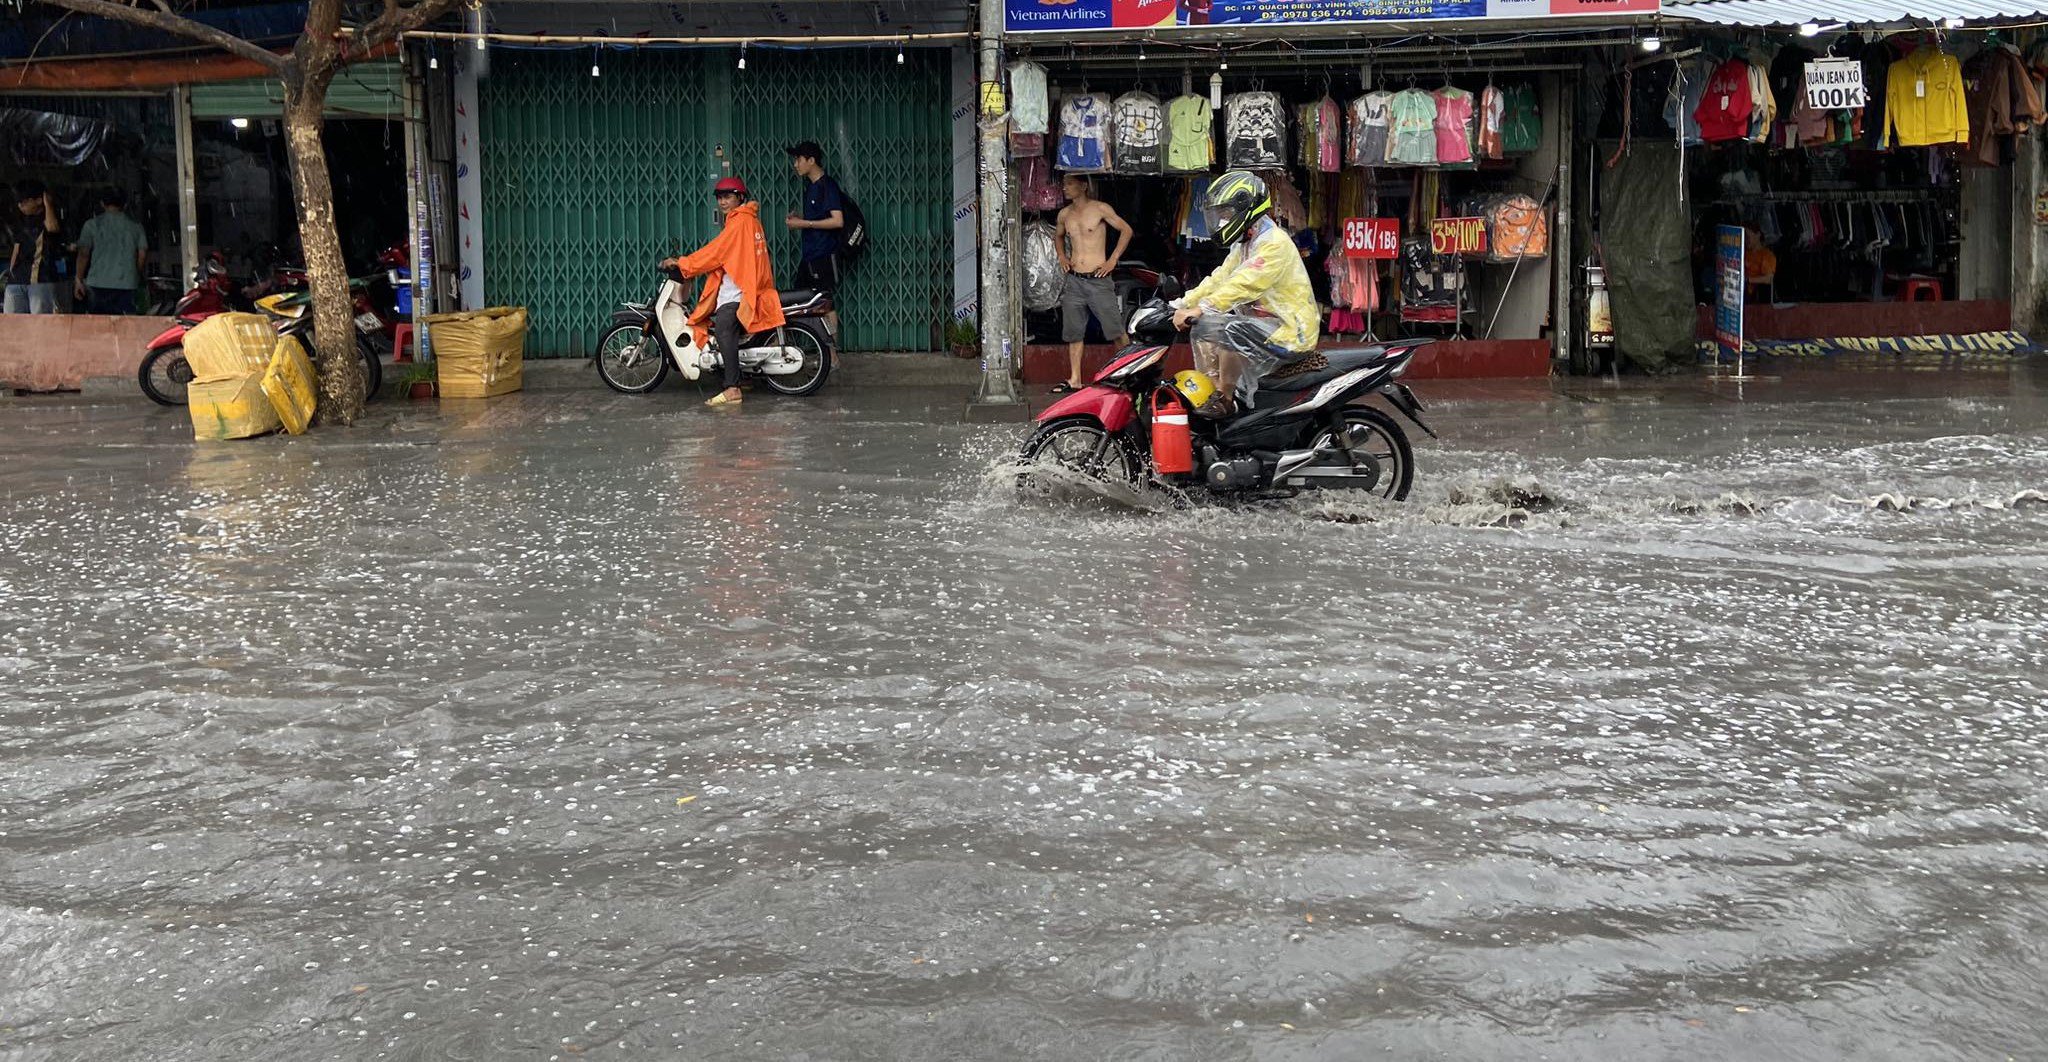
(1689, 87)
(1453, 125)
(1411, 131)
(1084, 134)
(1255, 130)
(1307, 118)
(1139, 127)
(1924, 99)
(1723, 112)
(1329, 135)
(1491, 110)
(1369, 117)
(1029, 110)
(1521, 126)
(1190, 135)
(1763, 108)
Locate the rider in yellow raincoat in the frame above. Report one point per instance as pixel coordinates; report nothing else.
(1256, 311)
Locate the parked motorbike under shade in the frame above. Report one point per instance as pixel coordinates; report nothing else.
(1312, 431)
(648, 339)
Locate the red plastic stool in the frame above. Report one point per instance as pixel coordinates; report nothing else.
(402, 334)
(1920, 289)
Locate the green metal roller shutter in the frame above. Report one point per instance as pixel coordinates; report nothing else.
(590, 181)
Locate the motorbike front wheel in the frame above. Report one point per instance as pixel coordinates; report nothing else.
(808, 337)
(164, 374)
(630, 361)
(1075, 447)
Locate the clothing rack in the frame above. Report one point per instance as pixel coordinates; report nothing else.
(1926, 195)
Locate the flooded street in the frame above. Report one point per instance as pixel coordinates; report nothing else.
(1659, 724)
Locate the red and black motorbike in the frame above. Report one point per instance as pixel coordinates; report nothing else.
(1131, 426)
(164, 372)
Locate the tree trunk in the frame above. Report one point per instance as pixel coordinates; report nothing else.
(339, 367)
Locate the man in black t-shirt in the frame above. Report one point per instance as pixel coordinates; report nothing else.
(818, 226)
(33, 246)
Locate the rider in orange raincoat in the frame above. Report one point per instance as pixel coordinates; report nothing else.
(739, 282)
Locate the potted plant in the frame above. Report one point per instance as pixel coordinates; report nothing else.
(963, 337)
(418, 380)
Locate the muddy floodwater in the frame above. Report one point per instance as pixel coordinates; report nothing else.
(1661, 723)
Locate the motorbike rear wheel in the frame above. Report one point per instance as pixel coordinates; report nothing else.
(809, 338)
(164, 374)
(630, 361)
(1376, 435)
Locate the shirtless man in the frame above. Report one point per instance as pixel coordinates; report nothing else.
(1083, 236)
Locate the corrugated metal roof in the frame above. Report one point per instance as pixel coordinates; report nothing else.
(1853, 12)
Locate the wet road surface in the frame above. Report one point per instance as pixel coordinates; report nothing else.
(1658, 725)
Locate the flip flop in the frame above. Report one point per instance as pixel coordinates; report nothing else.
(1063, 388)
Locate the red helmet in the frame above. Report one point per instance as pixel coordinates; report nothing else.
(729, 184)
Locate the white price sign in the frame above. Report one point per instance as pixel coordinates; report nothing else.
(1834, 84)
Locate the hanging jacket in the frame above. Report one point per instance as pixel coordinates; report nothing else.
(1723, 111)
(1924, 100)
(2004, 103)
(1084, 134)
(1689, 89)
(739, 251)
(1270, 276)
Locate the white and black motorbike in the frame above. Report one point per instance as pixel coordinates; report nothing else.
(647, 339)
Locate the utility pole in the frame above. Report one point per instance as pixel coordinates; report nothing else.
(998, 329)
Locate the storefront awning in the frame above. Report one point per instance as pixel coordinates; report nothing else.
(1848, 12)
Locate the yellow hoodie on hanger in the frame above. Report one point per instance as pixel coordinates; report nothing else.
(1923, 100)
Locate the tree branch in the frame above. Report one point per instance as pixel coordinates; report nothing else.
(175, 24)
(394, 22)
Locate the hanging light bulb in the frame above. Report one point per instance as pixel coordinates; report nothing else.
(743, 56)
(1652, 43)
(479, 42)
(899, 53)
(433, 61)
(1809, 29)
(1141, 51)
(593, 66)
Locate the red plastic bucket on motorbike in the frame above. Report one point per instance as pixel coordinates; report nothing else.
(1173, 448)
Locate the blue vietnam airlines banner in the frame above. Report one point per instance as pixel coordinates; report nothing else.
(1062, 15)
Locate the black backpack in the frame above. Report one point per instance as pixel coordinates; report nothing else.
(853, 231)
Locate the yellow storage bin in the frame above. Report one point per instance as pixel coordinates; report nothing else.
(288, 383)
(229, 346)
(230, 409)
(479, 354)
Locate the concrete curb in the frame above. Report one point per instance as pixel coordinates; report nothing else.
(577, 374)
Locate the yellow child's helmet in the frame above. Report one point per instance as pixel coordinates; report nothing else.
(1195, 386)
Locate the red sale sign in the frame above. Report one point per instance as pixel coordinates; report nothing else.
(1372, 237)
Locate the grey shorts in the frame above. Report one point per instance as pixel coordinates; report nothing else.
(1083, 295)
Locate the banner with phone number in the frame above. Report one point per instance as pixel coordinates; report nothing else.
(1025, 16)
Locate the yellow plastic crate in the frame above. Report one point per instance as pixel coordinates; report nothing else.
(228, 346)
(230, 409)
(288, 383)
(480, 354)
